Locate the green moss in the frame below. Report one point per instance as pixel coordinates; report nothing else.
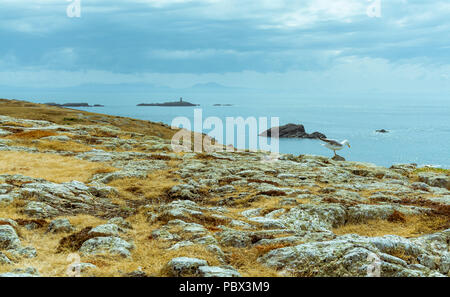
(432, 169)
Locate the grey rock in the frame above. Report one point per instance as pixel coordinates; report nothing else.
(40, 210)
(216, 250)
(206, 240)
(427, 261)
(106, 245)
(22, 272)
(338, 158)
(184, 191)
(420, 186)
(180, 244)
(60, 225)
(444, 266)
(435, 180)
(119, 221)
(8, 238)
(6, 199)
(10, 222)
(225, 189)
(83, 267)
(24, 252)
(268, 223)
(4, 260)
(4, 133)
(218, 271)
(184, 266)
(62, 138)
(106, 230)
(235, 239)
(363, 213)
(164, 235)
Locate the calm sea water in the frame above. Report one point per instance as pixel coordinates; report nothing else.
(419, 132)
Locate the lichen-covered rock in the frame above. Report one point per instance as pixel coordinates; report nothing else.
(4, 260)
(6, 199)
(4, 133)
(119, 221)
(9, 239)
(435, 180)
(268, 223)
(22, 272)
(206, 240)
(184, 266)
(352, 255)
(10, 222)
(82, 267)
(235, 239)
(60, 225)
(444, 264)
(107, 230)
(40, 210)
(180, 244)
(362, 213)
(185, 192)
(218, 271)
(180, 209)
(107, 245)
(24, 252)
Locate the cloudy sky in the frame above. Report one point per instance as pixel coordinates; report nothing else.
(331, 46)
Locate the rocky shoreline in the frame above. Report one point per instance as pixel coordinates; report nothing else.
(128, 206)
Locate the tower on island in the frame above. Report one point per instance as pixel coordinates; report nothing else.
(181, 99)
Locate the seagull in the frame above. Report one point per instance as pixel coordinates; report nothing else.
(334, 145)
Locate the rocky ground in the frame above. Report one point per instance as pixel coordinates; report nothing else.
(100, 200)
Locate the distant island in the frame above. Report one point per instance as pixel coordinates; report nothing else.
(170, 104)
(74, 105)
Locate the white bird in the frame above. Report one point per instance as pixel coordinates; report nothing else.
(334, 145)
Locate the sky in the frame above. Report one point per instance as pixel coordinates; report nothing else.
(324, 47)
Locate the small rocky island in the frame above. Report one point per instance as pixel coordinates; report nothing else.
(291, 131)
(382, 131)
(170, 104)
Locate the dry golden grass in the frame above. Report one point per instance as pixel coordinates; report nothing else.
(155, 186)
(412, 226)
(59, 146)
(245, 261)
(16, 124)
(150, 255)
(51, 167)
(47, 262)
(34, 134)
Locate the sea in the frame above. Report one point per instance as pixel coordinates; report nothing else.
(419, 130)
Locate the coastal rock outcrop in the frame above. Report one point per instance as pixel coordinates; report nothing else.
(107, 246)
(291, 131)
